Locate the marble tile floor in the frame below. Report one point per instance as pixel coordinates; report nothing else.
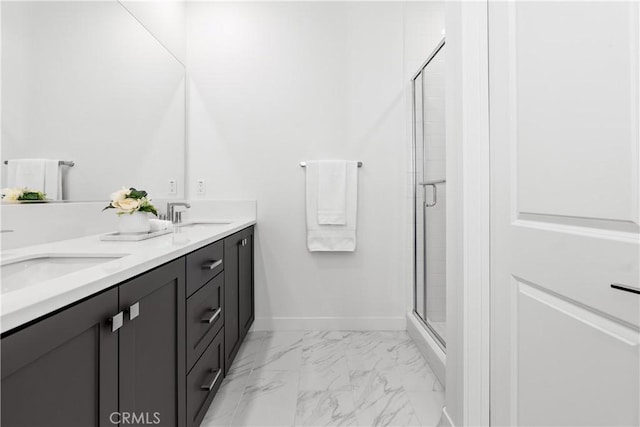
(328, 378)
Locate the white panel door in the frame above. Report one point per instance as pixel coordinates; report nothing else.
(564, 95)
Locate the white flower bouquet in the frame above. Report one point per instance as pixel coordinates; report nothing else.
(128, 201)
(22, 194)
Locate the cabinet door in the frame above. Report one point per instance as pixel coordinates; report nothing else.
(231, 326)
(152, 343)
(62, 371)
(245, 282)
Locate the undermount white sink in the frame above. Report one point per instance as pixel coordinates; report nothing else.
(24, 272)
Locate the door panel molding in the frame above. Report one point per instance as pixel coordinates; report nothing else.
(591, 349)
(606, 324)
(580, 223)
(628, 232)
(546, 132)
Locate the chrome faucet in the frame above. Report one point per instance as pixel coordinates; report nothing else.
(172, 215)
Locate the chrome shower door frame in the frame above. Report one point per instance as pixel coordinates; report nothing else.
(415, 183)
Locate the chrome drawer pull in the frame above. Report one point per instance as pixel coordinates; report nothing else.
(622, 287)
(211, 265)
(209, 319)
(208, 386)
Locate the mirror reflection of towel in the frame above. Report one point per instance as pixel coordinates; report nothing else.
(36, 174)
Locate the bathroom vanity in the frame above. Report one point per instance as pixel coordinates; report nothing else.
(152, 348)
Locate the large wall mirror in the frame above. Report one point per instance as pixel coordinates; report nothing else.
(87, 82)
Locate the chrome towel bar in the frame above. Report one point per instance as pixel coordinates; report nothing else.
(304, 164)
(60, 163)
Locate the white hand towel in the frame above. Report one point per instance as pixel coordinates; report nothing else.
(332, 237)
(332, 192)
(26, 173)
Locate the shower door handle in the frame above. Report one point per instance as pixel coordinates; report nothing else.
(435, 191)
(435, 196)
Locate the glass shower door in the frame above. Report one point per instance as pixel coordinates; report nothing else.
(430, 195)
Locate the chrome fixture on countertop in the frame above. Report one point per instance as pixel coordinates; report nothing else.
(173, 215)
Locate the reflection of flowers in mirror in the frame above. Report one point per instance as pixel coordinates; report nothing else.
(130, 200)
(19, 194)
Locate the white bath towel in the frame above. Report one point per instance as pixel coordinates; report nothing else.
(332, 192)
(332, 237)
(36, 174)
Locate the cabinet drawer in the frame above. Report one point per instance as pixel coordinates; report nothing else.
(204, 317)
(203, 265)
(204, 381)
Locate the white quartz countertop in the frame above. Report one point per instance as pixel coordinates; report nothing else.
(24, 304)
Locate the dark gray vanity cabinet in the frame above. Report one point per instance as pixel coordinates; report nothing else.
(246, 304)
(239, 291)
(151, 370)
(112, 356)
(151, 350)
(63, 371)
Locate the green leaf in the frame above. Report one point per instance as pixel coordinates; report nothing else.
(137, 194)
(32, 195)
(149, 208)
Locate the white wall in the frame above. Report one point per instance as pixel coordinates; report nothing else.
(165, 20)
(455, 243)
(468, 198)
(273, 84)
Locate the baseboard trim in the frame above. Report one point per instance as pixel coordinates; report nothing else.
(330, 323)
(427, 346)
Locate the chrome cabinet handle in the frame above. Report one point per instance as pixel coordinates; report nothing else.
(116, 321)
(209, 385)
(244, 242)
(626, 288)
(133, 311)
(211, 318)
(211, 265)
